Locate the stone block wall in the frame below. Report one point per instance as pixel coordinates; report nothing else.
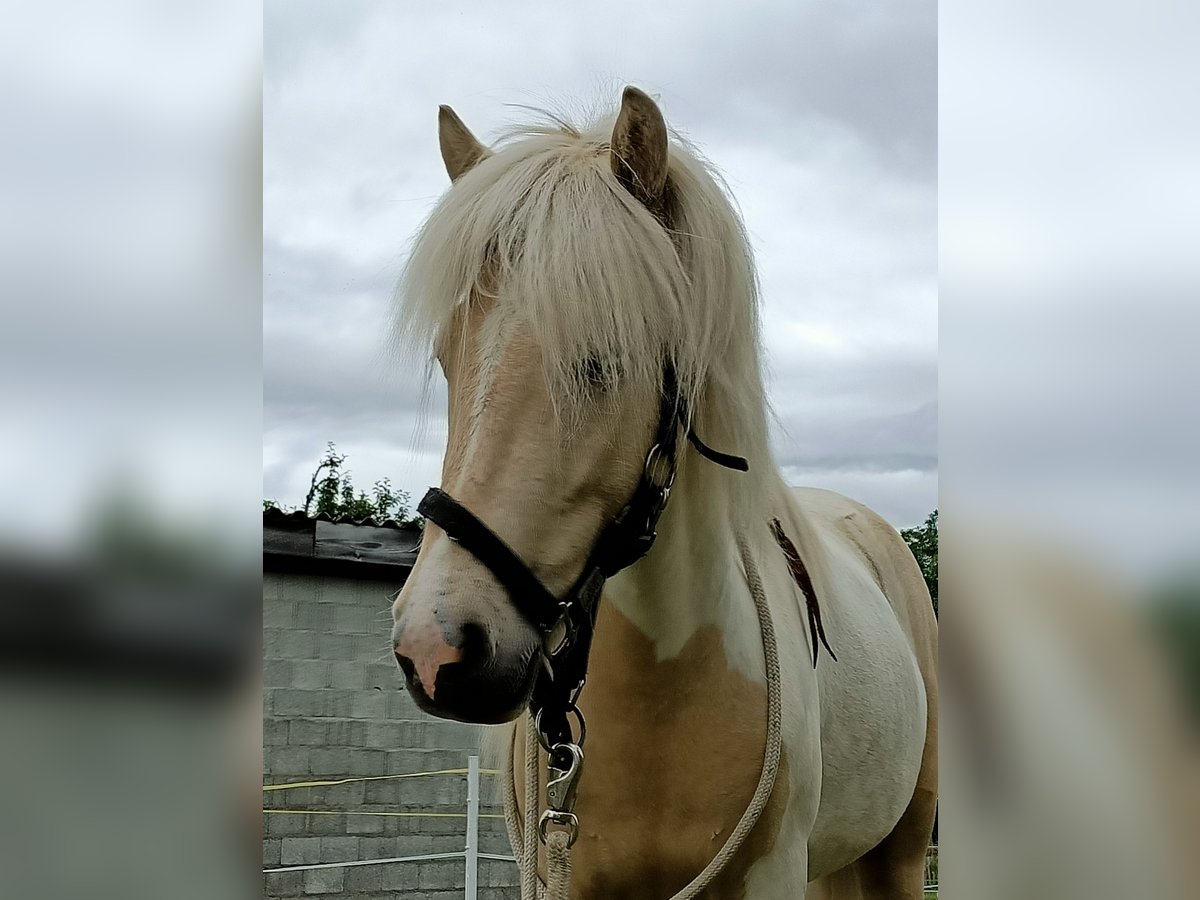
(334, 707)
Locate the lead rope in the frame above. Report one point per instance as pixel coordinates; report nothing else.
(529, 854)
(558, 856)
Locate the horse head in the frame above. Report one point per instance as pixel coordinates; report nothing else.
(548, 283)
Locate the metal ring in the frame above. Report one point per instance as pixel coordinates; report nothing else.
(537, 726)
(653, 457)
(565, 819)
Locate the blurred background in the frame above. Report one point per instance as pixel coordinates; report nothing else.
(133, 459)
(1069, 441)
(130, 406)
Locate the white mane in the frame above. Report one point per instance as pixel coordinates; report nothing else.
(594, 276)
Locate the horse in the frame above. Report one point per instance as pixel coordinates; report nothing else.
(590, 296)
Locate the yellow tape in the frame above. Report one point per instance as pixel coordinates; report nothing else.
(406, 815)
(286, 786)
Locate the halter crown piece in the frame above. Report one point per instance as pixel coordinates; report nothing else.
(567, 623)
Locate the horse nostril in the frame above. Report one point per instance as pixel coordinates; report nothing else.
(421, 655)
(476, 647)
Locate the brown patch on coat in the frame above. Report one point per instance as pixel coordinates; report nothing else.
(673, 755)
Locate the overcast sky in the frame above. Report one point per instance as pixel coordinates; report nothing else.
(823, 117)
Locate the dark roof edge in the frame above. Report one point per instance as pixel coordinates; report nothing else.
(296, 542)
(278, 518)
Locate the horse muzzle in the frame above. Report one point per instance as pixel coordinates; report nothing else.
(460, 673)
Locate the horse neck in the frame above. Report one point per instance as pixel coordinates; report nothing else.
(694, 578)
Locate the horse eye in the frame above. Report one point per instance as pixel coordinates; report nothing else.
(595, 373)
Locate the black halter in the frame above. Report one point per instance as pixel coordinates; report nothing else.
(570, 621)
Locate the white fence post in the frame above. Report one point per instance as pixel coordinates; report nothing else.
(472, 853)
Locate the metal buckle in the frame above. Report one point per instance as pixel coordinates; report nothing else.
(570, 631)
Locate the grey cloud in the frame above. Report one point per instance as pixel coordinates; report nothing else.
(871, 69)
(326, 356)
(869, 443)
(296, 30)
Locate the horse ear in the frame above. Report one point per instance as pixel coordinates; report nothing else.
(460, 149)
(639, 146)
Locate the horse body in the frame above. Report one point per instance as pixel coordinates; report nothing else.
(676, 706)
(558, 279)
(878, 701)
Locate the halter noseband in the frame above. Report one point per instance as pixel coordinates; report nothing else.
(570, 621)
